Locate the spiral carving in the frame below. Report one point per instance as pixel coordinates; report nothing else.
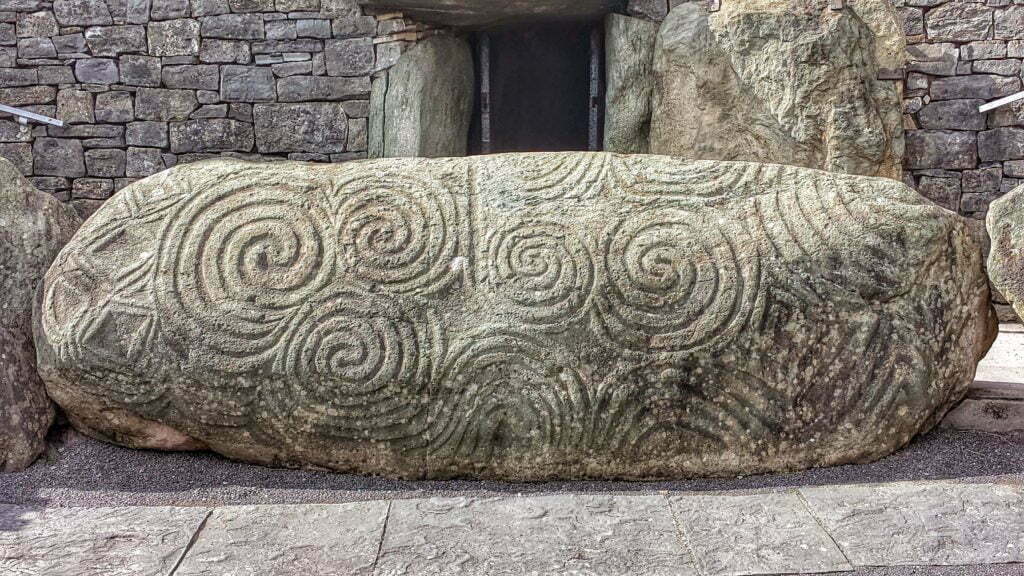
(674, 283)
(236, 262)
(543, 270)
(399, 232)
(507, 391)
(355, 365)
(699, 179)
(560, 175)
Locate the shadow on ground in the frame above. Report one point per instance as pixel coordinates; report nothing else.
(79, 471)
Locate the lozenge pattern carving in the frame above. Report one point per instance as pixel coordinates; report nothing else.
(520, 316)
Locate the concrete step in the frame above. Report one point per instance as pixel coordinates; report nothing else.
(995, 402)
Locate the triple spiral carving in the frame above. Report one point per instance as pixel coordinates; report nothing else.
(674, 283)
(543, 271)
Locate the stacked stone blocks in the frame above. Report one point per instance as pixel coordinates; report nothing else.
(960, 55)
(144, 85)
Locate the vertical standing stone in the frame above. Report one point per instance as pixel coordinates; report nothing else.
(33, 228)
(429, 101)
(629, 57)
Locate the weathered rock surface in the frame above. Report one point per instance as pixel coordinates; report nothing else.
(422, 107)
(492, 12)
(629, 57)
(1005, 223)
(516, 316)
(33, 228)
(790, 83)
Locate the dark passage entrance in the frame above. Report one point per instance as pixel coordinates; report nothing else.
(540, 89)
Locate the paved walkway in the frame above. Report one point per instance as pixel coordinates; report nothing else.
(806, 530)
(950, 527)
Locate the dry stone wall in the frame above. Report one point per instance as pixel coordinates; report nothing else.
(143, 85)
(960, 55)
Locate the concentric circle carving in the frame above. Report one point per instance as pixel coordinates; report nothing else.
(542, 270)
(675, 283)
(235, 264)
(398, 231)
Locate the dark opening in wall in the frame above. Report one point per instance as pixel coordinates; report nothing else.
(540, 88)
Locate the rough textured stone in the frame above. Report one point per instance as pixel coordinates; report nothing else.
(247, 84)
(136, 541)
(213, 135)
(33, 227)
(174, 37)
(225, 51)
(105, 162)
(952, 115)
(19, 154)
(143, 162)
(581, 535)
(233, 27)
(114, 107)
(96, 71)
(756, 534)
(58, 157)
(515, 316)
(140, 70)
(1001, 144)
(41, 24)
(314, 127)
(478, 13)
(82, 12)
(629, 49)
(350, 57)
(959, 22)
(763, 97)
(288, 540)
(941, 149)
(1006, 257)
(164, 105)
(115, 40)
(192, 77)
(984, 86)
(935, 59)
(310, 88)
(922, 524)
(75, 107)
(427, 102)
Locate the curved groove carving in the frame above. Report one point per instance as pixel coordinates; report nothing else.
(526, 317)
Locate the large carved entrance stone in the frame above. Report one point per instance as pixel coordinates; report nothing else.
(516, 316)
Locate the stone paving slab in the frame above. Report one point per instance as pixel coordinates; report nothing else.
(297, 540)
(942, 523)
(95, 541)
(913, 528)
(599, 535)
(755, 534)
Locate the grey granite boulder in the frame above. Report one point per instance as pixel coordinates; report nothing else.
(1005, 223)
(516, 316)
(773, 81)
(629, 58)
(33, 228)
(423, 105)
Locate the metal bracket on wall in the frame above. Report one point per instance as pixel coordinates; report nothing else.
(1001, 102)
(24, 116)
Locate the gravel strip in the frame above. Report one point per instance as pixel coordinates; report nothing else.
(79, 471)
